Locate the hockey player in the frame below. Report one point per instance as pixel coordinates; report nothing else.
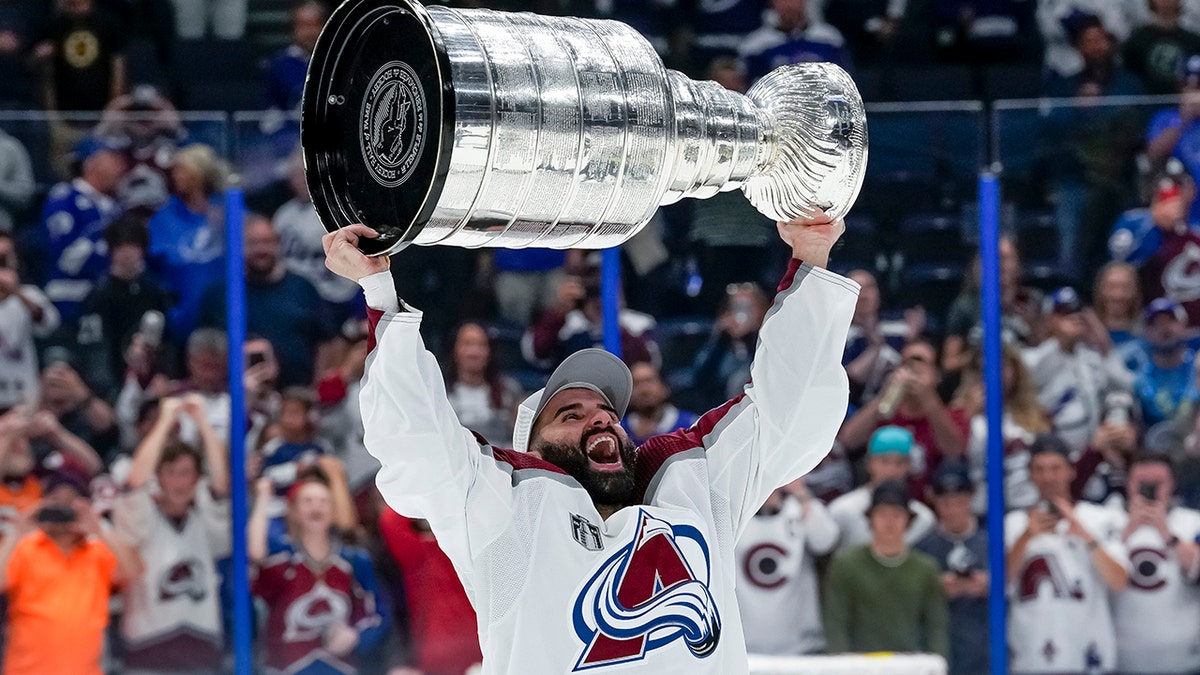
(1063, 559)
(578, 550)
(1157, 615)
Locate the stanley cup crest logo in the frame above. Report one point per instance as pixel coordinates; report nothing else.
(393, 124)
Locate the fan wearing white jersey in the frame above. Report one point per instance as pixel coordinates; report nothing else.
(1157, 617)
(578, 550)
(1063, 559)
(179, 523)
(777, 574)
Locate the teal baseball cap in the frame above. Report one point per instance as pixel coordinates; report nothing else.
(890, 440)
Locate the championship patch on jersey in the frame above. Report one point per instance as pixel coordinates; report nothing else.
(587, 534)
(646, 596)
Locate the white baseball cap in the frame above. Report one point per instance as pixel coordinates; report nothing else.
(593, 369)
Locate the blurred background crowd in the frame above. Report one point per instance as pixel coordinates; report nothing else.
(123, 121)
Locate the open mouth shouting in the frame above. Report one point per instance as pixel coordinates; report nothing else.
(603, 451)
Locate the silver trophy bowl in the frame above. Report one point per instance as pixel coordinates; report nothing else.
(481, 128)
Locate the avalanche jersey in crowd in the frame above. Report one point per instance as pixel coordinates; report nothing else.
(777, 580)
(172, 617)
(1157, 617)
(305, 597)
(18, 354)
(1058, 616)
(556, 587)
(1173, 271)
(73, 223)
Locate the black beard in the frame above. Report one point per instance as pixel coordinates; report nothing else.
(606, 488)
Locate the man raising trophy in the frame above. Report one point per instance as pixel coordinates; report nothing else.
(578, 550)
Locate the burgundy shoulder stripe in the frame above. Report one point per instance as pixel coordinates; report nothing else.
(524, 460)
(652, 454)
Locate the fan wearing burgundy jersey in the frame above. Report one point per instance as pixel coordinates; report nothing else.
(323, 602)
(1172, 268)
(578, 550)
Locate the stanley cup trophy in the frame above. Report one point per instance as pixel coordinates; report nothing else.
(482, 128)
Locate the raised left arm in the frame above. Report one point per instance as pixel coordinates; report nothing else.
(785, 421)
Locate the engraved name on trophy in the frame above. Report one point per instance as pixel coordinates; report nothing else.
(482, 128)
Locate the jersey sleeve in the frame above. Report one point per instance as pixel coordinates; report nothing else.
(401, 539)
(215, 515)
(50, 318)
(785, 421)
(821, 529)
(1099, 522)
(431, 466)
(1186, 526)
(369, 612)
(131, 517)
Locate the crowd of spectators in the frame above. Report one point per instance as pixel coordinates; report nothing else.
(115, 404)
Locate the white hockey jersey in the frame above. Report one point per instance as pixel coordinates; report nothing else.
(1157, 617)
(1058, 617)
(777, 578)
(557, 588)
(172, 614)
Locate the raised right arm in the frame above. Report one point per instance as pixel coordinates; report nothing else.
(432, 467)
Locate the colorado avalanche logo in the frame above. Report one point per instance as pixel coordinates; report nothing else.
(1146, 569)
(649, 594)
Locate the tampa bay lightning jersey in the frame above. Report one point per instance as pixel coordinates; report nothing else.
(559, 589)
(73, 223)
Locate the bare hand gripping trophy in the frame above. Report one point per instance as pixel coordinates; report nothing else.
(481, 128)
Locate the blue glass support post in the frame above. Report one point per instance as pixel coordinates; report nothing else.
(235, 322)
(989, 253)
(610, 298)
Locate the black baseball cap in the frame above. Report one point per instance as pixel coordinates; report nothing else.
(1049, 443)
(891, 493)
(952, 478)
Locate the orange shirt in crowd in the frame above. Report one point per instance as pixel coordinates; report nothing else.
(57, 606)
(16, 498)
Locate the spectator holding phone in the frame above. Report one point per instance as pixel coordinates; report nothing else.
(1064, 559)
(59, 571)
(1156, 615)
